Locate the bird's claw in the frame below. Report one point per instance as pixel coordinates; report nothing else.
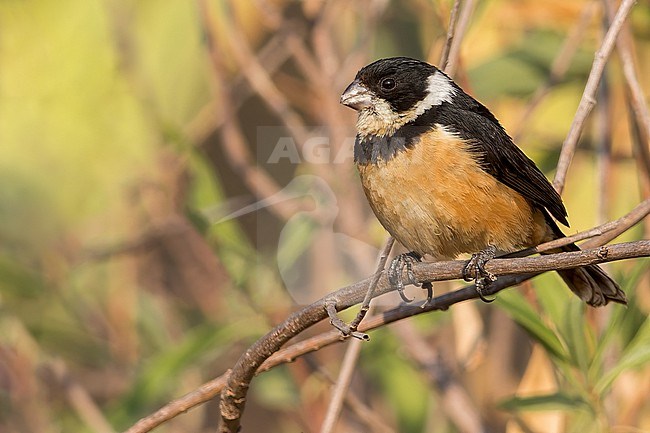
(428, 286)
(475, 271)
(396, 271)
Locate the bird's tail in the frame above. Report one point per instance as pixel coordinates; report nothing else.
(591, 283)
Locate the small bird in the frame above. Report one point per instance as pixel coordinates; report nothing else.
(444, 178)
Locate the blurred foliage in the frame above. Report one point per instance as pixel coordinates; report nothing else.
(125, 284)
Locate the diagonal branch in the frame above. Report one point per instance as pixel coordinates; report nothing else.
(588, 99)
(601, 234)
(266, 353)
(460, 26)
(233, 397)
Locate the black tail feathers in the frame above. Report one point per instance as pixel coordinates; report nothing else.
(592, 284)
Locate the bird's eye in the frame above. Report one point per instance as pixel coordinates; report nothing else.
(387, 84)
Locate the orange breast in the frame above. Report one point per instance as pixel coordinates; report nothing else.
(435, 199)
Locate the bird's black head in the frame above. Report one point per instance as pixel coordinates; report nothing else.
(391, 92)
(401, 81)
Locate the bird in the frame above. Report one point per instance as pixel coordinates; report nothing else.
(444, 178)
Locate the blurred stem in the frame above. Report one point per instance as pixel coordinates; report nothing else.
(232, 138)
(342, 384)
(603, 147)
(636, 100)
(559, 67)
(456, 402)
(80, 400)
(365, 414)
(259, 79)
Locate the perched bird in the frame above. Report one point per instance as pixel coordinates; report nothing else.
(444, 178)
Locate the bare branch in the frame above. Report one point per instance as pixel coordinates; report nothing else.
(209, 390)
(352, 353)
(204, 393)
(451, 32)
(589, 95)
(266, 354)
(459, 31)
(233, 397)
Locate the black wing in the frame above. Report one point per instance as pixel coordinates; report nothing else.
(498, 155)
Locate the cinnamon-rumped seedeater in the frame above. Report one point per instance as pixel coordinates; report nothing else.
(444, 178)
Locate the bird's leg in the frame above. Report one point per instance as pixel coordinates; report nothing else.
(396, 269)
(475, 271)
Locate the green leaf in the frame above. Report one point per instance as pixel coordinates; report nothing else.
(553, 296)
(565, 314)
(576, 335)
(556, 401)
(635, 355)
(522, 313)
(624, 323)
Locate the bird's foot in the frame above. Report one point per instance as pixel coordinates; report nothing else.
(396, 271)
(428, 286)
(475, 271)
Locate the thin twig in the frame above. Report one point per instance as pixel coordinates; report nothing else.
(352, 352)
(338, 323)
(612, 230)
(365, 305)
(588, 100)
(602, 234)
(341, 388)
(461, 26)
(451, 32)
